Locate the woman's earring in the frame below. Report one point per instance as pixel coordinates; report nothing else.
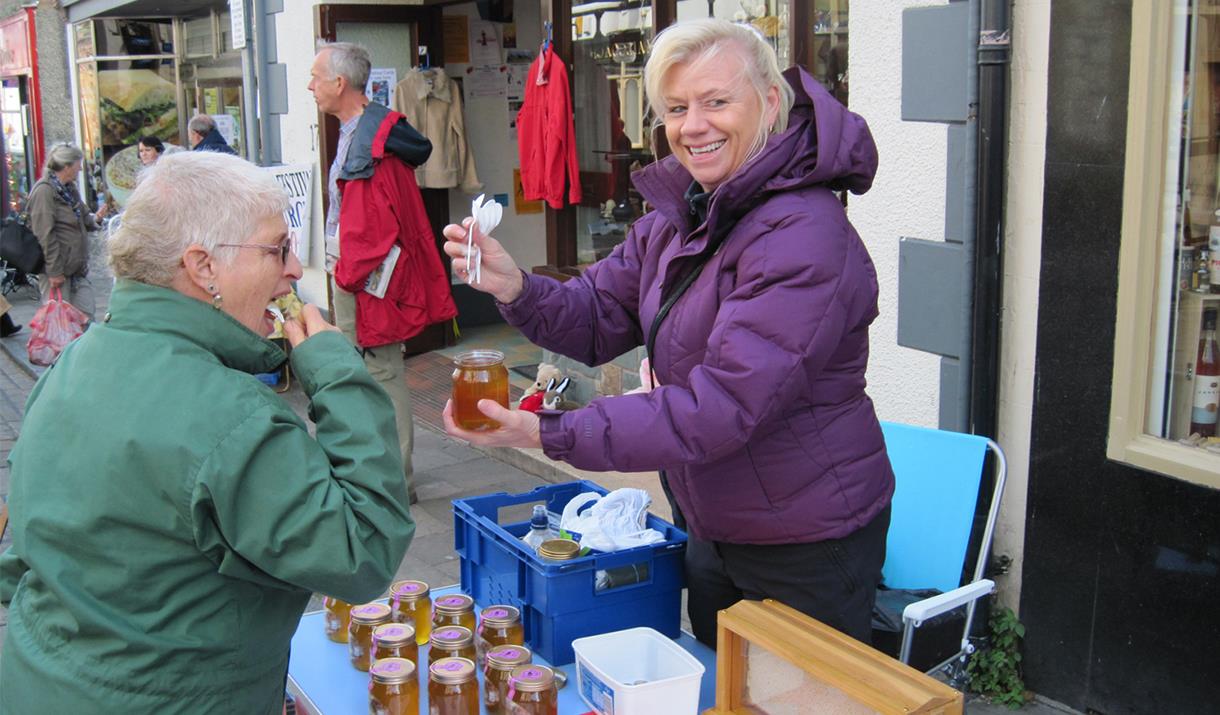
(217, 300)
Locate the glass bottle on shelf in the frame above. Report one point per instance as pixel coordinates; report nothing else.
(1213, 251)
(1200, 279)
(1207, 380)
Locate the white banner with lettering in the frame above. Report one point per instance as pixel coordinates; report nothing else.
(297, 181)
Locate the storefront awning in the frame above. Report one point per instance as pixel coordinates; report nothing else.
(84, 9)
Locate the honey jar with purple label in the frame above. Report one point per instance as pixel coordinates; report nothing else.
(411, 602)
(455, 610)
(393, 687)
(365, 620)
(451, 642)
(532, 691)
(453, 687)
(501, 660)
(395, 640)
(498, 625)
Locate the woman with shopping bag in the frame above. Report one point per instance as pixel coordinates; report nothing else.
(61, 221)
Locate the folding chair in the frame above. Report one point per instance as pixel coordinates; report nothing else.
(938, 475)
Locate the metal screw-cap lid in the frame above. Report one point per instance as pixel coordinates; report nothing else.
(532, 678)
(500, 616)
(452, 671)
(452, 637)
(393, 634)
(458, 603)
(392, 671)
(558, 549)
(507, 657)
(371, 614)
(409, 590)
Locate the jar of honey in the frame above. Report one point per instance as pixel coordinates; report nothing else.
(365, 619)
(478, 375)
(393, 687)
(455, 610)
(411, 602)
(451, 642)
(395, 640)
(498, 625)
(338, 618)
(558, 550)
(453, 688)
(501, 660)
(532, 691)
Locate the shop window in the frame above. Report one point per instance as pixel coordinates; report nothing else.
(1167, 372)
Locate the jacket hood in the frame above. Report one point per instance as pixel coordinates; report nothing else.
(824, 144)
(147, 308)
(379, 131)
(214, 141)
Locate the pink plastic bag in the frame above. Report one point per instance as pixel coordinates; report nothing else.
(56, 324)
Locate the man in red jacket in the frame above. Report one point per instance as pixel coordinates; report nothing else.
(387, 279)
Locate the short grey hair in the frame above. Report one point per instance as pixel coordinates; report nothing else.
(201, 124)
(349, 61)
(700, 40)
(61, 156)
(191, 198)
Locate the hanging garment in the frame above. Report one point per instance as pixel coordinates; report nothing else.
(546, 134)
(432, 103)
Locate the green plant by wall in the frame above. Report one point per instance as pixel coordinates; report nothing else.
(995, 670)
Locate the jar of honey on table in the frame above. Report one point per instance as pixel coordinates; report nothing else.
(411, 602)
(365, 620)
(393, 687)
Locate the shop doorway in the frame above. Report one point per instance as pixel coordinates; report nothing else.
(17, 156)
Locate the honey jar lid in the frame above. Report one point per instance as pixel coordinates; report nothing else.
(452, 671)
(409, 590)
(457, 603)
(478, 358)
(451, 637)
(371, 614)
(392, 671)
(532, 678)
(558, 549)
(507, 657)
(394, 634)
(500, 616)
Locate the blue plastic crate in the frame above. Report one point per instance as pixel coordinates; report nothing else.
(559, 601)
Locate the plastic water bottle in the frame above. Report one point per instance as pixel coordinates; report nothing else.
(540, 528)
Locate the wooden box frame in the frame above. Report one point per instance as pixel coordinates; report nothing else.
(865, 675)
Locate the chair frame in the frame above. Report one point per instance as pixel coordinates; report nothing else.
(915, 614)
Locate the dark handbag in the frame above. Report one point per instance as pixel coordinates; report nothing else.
(20, 247)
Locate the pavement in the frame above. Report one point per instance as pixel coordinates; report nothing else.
(445, 469)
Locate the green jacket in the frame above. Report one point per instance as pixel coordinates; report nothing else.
(171, 514)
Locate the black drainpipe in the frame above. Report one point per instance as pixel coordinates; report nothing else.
(993, 60)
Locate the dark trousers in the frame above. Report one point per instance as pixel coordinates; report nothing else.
(834, 581)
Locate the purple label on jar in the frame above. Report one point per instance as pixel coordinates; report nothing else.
(449, 634)
(452, 601)
(394, 631)
(367, 609)
(531, 673)
(409, 588)
(497, 613)
(449, 667)
(506, 653)
(384, 667)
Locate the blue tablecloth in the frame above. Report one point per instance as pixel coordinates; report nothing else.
(323, 681)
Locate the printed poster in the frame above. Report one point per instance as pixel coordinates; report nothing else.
(297, 182)
(484, 43)
(380, 89)
(486, 81)
(454, 30)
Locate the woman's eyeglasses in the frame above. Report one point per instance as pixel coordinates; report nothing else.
(284, 249)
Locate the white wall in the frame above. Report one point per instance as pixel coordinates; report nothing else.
(486, 125)
(907, 199)
(1022, 259)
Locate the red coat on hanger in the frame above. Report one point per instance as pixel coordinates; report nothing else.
(546, 134)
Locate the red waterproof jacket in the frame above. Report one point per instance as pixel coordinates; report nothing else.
(547, 135)
(381, 207)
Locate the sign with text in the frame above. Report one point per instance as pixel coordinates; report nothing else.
(237, 16)
(297, 182)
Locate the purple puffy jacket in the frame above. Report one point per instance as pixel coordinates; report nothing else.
(760, 420)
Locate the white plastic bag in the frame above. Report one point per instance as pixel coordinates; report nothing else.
(614, 522)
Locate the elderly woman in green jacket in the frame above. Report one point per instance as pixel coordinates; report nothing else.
(61, 221)
(171, 515)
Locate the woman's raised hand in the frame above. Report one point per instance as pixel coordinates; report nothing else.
(500, 275)
(309, 323)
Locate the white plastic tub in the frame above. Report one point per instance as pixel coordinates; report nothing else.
(637, 671)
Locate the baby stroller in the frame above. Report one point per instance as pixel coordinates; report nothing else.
(20, 256)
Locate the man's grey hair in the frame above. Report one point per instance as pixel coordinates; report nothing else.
(61, 156)
(349, 61)
(191, 198)
(201, 124)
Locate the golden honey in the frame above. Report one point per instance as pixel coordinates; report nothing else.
(393, 687)
(501, 660)
(395, 640)
(338, 618)
(478, 375)
(453, 688)
(455, 610)
(532, 691)
(498, 625)
(411, 602)
(365, 620)
(451, 642)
